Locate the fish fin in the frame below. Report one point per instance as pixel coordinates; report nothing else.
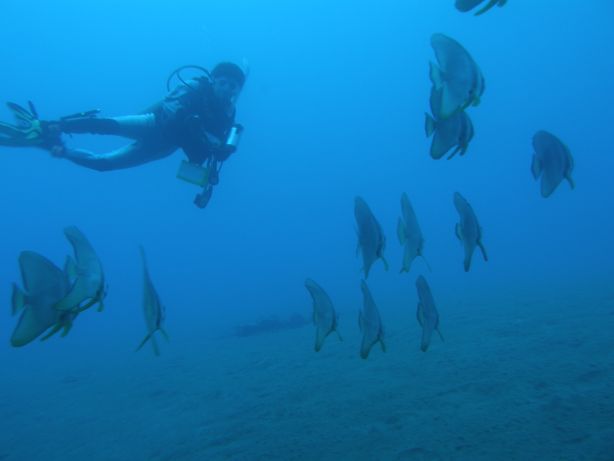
(100, 306)
(408, 258)
(440, 335)
(536, 166)
(467, 262)
(386, 266)
(426, 339)
(143, 342)
(404, 265)
(570, 180)
(455, 151)
(70, 268)
(360, 320)
(570, 159)
(382, 344)
(53, 331)
(448, 109)
(419, 314)
(429, 125)
(18, 299)
(164, 333)
(428, 266)
(67, 329)
(488, 6)
(436, 75)
(458, 231)
(73, 300)
(338, 335)
(483, 250)
(318, 345)
(401, 234)
(364, 350)
(320, 337)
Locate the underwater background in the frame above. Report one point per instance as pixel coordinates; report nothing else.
(333, 108)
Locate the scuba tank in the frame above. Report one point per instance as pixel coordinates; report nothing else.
(234, 136)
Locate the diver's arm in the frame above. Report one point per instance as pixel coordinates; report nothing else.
(223, 152)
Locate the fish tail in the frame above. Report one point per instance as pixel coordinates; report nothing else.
(154, 343)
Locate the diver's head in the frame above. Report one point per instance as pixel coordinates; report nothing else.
(228, 80)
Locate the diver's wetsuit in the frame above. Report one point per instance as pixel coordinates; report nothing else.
(190, 118)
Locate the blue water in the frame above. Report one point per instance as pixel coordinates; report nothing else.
(333, 108)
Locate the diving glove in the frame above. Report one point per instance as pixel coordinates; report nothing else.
(29, 130)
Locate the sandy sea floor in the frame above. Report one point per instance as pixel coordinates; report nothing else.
(514, 380)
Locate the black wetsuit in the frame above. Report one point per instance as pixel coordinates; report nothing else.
(190, 118)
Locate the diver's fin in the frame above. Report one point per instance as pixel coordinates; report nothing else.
(33, 110)
(22, 114)
(28, 131)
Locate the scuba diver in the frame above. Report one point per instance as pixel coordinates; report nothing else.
(197, 116)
